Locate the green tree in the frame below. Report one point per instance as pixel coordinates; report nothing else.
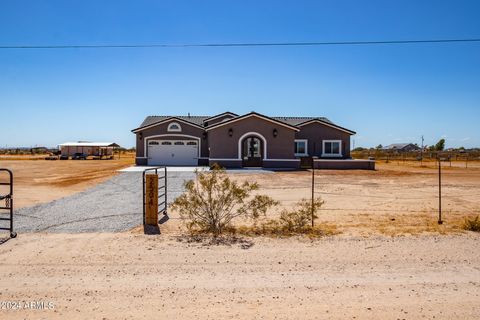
(379, 146)
(440, 145)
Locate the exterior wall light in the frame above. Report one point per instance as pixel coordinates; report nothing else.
(230, 132)
(204, 134)
(140, 135)
(275, 132)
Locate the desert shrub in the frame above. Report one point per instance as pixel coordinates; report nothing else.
(472, 224)
(299, 218)
(212, 201)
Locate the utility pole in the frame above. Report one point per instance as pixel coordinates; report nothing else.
(440, 191)
(421, 153)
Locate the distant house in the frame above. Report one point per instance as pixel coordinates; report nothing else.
(39, 150)
(402, 147)
(89, 148)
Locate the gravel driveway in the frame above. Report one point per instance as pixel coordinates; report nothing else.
(112, 206)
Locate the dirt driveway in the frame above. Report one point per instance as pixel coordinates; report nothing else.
(111, 206)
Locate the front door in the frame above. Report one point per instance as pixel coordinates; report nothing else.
(252, 152)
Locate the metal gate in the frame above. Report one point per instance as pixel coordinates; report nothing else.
(161, 172)
(8, 198)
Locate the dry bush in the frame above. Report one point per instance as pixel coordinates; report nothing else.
(472, 224)
(273, 228)
(296, 221)
(299, 219)
(212, 201)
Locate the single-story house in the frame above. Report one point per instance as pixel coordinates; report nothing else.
(402, 147)
(249, 140)
(97, 149)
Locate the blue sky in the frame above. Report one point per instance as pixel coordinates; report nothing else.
(387, 93)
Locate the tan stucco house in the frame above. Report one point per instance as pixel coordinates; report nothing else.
(249, 140)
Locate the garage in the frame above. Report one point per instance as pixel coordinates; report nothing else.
(172, 153)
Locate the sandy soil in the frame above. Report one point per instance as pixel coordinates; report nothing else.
(395, 199)
(131, 275)
(398, 198)
(41, 181)
(135, 276)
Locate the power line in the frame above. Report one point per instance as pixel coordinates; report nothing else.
(265, 44)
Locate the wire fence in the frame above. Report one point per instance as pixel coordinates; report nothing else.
(420, 157)
(365, 200)
(379, 194)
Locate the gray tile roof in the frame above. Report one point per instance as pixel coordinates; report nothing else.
(198, 120)
(293, 121)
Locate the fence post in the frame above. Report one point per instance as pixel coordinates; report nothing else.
(151, 194)
(440, 191)
(313, 190)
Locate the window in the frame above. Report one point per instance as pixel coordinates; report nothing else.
(179, 143)
(191, 143)
(174, 127)
(153, 143)
(332, 148)
(166, 143)
(301, 147)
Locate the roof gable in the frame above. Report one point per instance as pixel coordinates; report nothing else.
(249, 115)
(153, 121)
(228, 113)
(295, 121)
(328, 124)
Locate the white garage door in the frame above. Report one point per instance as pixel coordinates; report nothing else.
(172, 153)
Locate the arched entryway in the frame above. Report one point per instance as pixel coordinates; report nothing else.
(252, 148)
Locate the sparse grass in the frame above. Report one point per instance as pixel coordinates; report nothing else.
(407, 224)
(207, 239)
(272, 228)
(269, 228)
(472, 224)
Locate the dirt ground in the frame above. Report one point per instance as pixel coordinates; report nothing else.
(136, 276)
(361, 273)
(41, 181)
(395, 199)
